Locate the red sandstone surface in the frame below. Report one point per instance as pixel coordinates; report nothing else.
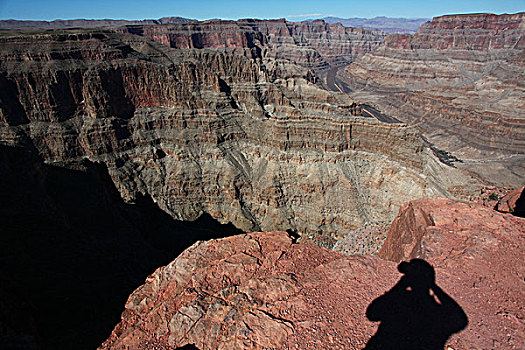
(260, 290)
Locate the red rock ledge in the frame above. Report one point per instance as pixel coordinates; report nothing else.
(262, 291)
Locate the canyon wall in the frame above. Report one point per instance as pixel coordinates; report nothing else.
(315, 45)
(460, 80)
(226, 120)
(202, 130)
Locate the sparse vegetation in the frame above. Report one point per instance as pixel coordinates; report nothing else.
(445, 157)
(493, 197)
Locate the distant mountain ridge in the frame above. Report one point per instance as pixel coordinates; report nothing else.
(387, 24)
(87, 23)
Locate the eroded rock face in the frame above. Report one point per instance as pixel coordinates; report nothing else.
(262, 291)
(459, 78)
(315, 45)
(202, 130)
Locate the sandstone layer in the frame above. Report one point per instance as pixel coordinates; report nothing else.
(202, 130)
(261, 290)
(460, 80)
(513, 202)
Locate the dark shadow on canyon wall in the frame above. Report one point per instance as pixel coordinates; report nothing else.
(416, 313)
(72, 251)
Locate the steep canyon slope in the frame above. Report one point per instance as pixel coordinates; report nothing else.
(72, 250)
(460, 80)
(214, 130)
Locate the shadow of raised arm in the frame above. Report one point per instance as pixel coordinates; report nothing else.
(456, 318)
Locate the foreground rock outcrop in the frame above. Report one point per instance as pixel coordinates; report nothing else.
(261, 290)
(460, 80)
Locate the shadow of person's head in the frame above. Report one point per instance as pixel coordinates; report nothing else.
(418, 274)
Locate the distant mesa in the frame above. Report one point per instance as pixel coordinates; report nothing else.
(87, 23)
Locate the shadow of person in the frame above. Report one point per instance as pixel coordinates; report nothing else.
(415, 313)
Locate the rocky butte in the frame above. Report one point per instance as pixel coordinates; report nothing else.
(120, 130)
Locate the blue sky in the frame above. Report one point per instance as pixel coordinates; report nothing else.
(234, 9)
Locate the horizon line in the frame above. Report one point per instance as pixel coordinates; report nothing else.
(243, 17)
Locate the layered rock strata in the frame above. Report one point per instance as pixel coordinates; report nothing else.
(460, 80)
(262, 291)
(207, 131)
(316, 45)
